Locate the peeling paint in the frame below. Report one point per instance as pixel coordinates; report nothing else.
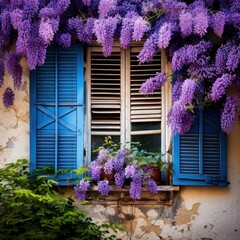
(185, 216)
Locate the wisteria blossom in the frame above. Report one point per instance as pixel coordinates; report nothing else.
(229, 112)
(218, 23)
(106, 6)
(152, 186)
(186, 23)
(104, 30)
(220, 86)
(164, 36)
(81, 189)
(8, 97)
(103, 187)
(135, 187)
(200, 20)
(46, 31)
(140, 27)
(179, 118)
(201, 37)
(130, 171)
(188, 88)
(154, 83)
(14, 68)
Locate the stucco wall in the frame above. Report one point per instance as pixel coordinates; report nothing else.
(14, 121)
(196, 212)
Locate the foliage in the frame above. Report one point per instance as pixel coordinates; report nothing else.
(123, 165)
(31, 209)
(201, 38)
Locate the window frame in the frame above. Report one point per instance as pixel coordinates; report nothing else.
(125, 133)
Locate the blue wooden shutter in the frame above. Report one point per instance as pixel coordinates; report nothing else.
(57, 111)
(199, 156)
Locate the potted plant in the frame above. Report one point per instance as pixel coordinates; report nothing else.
(120, 165)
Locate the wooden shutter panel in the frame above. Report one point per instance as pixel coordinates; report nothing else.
(144, 109)
(57, 110)
(199, 156)
(105, 92)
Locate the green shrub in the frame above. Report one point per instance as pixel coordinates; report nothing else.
(31, 209)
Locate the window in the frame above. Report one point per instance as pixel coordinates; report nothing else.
(116, 107)
(61, 124)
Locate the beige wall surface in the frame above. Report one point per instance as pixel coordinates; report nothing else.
(14, 121)
(196, 212)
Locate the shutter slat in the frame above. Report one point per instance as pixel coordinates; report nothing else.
(105, 93)
(144, 108)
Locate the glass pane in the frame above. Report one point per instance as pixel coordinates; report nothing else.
(150, 143)
(98, 141)
(141, 126)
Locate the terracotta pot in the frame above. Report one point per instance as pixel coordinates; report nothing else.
(109, 177)
(155, 173)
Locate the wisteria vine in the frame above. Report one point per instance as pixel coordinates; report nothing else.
(201, 38)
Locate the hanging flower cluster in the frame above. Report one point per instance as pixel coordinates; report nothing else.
(201, 38)
(121, 166)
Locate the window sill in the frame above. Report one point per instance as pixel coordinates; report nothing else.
(161, 188)
(164, 196)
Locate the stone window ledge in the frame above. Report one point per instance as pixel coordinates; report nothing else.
(164, 196)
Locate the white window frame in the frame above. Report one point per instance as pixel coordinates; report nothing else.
(125, 135)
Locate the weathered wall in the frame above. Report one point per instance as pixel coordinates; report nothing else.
(14, 122)
(196, 212)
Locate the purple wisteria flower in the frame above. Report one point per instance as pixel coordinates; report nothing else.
(23, 36)
(176, 90)
(81, 189)
(14, 67)
(233, 58)
(127, 29)
(152, 186)
(130, 171)
(222, 56)
(108, 166)
(220, 86)
(118, 161)
(140, 28)
(104, 29)
(95, 170)
(188, 89)
(102, 155)
(65, 40)
(103, 187)
(154, 83)
(46, 31)
(189, 54)
(186, 23)
(229, 112)
(149, 49)
(135, 187)
(164, 36)
(200, 20)
(179, 119)
(119, 178)
(106, 6)
(218, 23)
(16, 17)
(8, 97)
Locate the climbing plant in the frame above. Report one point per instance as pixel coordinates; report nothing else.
(201, 39)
